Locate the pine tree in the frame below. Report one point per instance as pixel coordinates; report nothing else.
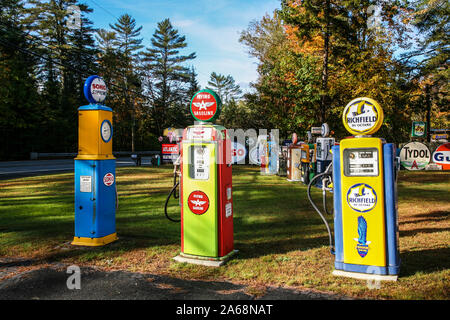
(68, 56)
(127, 45)
(20, 108)
(225, 87)
(166, 75)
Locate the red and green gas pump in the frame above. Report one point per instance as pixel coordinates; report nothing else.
(206, 186)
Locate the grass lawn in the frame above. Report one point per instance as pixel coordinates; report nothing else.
(280, 238)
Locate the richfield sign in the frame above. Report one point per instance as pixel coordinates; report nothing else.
(205, 106)
(363, 116)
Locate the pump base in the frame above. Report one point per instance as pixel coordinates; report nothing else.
(205, 261)
(365, 276)
(94, 242)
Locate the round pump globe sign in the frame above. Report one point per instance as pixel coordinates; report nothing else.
(205, 106)
(95, 89)
(363, 116)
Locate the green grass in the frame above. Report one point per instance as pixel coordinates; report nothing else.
(280, 238)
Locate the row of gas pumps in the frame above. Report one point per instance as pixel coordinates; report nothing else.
(304, 160)
(360, 172)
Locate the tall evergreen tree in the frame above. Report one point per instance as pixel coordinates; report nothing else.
(20, 109)
(127, 44)
(68, 56)
(165, 72)
(225, 86)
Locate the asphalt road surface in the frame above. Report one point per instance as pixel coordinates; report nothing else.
(15, 169)
(21, 280)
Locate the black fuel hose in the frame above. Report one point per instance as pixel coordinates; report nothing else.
(175, 195)
(326, 173)
(324, 196)
(174, 192)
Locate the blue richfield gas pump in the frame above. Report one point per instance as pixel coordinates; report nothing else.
(95, 170)
(365, 197)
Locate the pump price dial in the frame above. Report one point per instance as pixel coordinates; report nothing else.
(361, 162)
(106, 131)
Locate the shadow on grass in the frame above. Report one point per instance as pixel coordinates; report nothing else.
(422, 194)
(408, 233)
(424, 261)
(262, 248)
(288, 221)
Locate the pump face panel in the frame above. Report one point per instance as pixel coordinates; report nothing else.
(200, 221)
(294, 164)
(361, 162)
(362, 198)
(323, 156)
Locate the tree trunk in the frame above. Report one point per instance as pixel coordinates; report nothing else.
(324, 94)
(428, 105)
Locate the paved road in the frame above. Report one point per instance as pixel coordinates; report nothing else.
(14, 169)
(19, 280)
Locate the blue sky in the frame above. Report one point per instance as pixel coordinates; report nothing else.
(211, 28)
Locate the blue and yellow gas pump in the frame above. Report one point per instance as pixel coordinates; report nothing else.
(364, 189)
(365, 197)
(95, 170)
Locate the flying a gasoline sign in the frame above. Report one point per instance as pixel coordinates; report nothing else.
(205, 105)
(415, 156)
(363, 116)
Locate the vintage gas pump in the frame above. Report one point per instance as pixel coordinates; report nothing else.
(206, 186)
(293, 163)
(307, 159)
(365, 197)
(95, 170)
(274, 156)
(269, 154)
(323, 154)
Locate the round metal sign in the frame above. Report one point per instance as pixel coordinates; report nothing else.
(363, 116)
(415, 156)
(108, 179)
(205, 106)
(442, 156)
(198, 202)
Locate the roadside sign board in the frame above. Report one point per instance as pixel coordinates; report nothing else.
(419, 129)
